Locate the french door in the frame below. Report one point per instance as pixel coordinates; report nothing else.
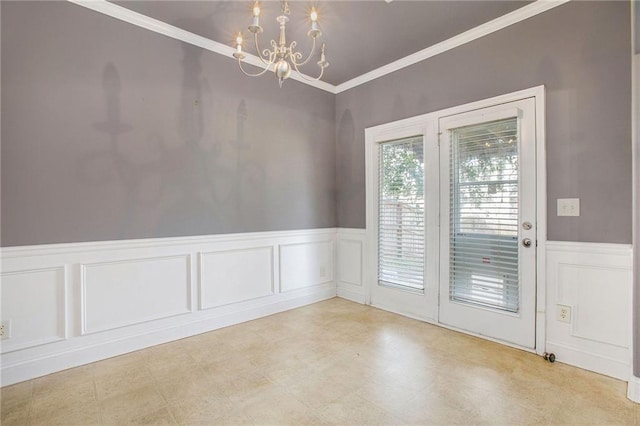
(488, 222)
(404, 221)
(452, 217)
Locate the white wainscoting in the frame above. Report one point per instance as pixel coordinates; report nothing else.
(233, 276)
(633, 390)
(122, 293)
(71, 304)
(305, 264)
(34, 301)
(595, 280)
(350, 264)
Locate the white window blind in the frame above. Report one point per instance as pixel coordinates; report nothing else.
(484, 215)
(401, 214)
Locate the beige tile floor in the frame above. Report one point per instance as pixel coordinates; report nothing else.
(334, 362)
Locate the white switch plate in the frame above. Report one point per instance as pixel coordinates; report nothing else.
(568, 206)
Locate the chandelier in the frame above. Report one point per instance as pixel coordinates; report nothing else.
(282, 59)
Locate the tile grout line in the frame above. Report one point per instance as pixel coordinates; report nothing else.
(31, 391)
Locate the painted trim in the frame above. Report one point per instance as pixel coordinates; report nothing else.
(589, 360)
(589, 248)
(354, 296)
(83, 247)
(468, 36)
(541, 218)
(635, 149)
(356, 232)
(160, 27)
(633, 389)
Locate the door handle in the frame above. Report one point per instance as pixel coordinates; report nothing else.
(526, 242)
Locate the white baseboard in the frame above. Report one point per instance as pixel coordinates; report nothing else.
(633, 389)
(349, 294)
(592, 361)
(72, 304)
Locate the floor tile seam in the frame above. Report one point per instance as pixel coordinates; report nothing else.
(95, 401)
(31, 392)
(120, 371)
(167, 405)
(95, 393)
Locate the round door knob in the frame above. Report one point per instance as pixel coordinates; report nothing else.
(526, 242)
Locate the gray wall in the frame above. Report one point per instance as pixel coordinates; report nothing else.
(113, 132)
(580, 52)
(636, 26)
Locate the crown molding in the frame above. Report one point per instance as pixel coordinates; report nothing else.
(487, 28)
(160, 27)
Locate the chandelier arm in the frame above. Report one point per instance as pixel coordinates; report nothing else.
(266, 53)
(268, 64)
(305, 77)
(298, 55)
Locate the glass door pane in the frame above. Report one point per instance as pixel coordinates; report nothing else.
(401, 214)
(483, 244)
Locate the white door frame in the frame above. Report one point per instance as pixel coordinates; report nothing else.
(429, 122)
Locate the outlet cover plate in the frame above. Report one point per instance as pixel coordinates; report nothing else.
(563, 313)
(5, 329)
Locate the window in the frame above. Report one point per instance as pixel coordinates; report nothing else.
(401, 214)
(484, 215)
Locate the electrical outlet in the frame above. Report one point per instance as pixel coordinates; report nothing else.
(323, 272)
(564, 314)
(5, 329)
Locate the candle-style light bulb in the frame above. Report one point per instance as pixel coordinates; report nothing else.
(255, 24)
(239, 43)
(238, 53)
(314, 31)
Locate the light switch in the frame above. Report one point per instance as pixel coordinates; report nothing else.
(568, 206)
